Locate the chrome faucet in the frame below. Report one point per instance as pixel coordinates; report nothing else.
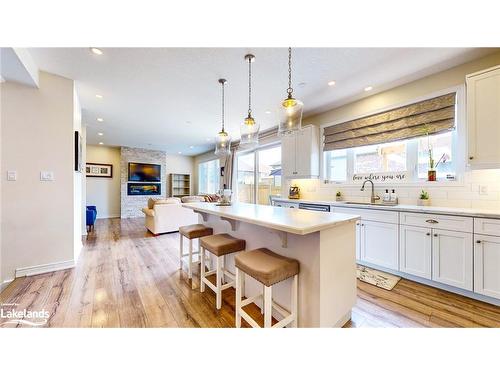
(373, 197)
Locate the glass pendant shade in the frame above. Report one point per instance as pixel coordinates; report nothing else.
(222, 144)
(249, 131)
(290, 116)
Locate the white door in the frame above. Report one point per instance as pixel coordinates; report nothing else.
(452, 258)
(288, 153)
(483, 118)
(379, 244)
(415, 251)
(487, 265)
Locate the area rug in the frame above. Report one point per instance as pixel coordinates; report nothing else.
(378, 278)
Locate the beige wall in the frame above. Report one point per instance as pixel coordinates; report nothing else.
(180, 164)
(458, 194)
(37, 135)
(104, 192)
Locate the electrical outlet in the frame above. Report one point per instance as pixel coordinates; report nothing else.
(11, 175)
(46, 176)
(483, 189)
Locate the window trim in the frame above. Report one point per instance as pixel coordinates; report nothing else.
(198, 174)
(458, 144)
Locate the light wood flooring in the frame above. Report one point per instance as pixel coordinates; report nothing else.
(126, 277)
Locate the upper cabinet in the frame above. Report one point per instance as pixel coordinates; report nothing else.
(483, 118)
(300, 153)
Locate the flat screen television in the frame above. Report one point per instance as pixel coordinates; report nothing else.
(144, 172)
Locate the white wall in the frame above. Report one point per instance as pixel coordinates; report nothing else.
(37, 135)
(78, 180)
(104, 192)
(459, 194)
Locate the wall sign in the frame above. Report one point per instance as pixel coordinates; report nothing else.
(388, 177)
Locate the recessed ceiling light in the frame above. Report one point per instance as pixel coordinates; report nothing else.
(368, 88)
(100, 133)
(100, 119)
(209, 139)
(268, 112)
(98, 96)
(96, 51)
(191, 147)
(180, 152)
(101, 143)
(331, 83)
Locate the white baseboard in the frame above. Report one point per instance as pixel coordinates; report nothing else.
(44, 268)
(5, 284)
(110, 216)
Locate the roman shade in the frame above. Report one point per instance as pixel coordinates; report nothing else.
(430, 116)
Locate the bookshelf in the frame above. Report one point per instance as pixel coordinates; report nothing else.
(180, 185)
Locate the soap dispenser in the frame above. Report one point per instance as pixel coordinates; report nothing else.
(387, 196)
(394, 197)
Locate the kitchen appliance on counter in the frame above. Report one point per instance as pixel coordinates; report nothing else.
(314, 207)
(294, 192)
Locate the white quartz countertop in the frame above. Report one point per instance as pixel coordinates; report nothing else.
(291, 221)
(456, 211)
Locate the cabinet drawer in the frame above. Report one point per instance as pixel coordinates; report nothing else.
(448, 222)
(391, 217)
(487, 226)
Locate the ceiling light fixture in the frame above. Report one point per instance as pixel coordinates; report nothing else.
(98, 96)
(368, 88)
(100, 133)
(180, 152)
(331, 83)
(100, 119)
(268, 112)
(191, 147)
(101, 143)
(96, 51)
(291, 108)
(249, 129)
(223, 140)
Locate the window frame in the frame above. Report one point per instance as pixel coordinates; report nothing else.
(458, 145)
(199, 176)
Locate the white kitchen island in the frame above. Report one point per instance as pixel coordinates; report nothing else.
(324, 243)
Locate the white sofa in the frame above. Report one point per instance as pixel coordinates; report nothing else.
(167, 215)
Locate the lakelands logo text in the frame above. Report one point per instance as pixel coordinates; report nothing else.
(11, 316)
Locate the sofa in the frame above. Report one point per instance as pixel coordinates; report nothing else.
(167, 214)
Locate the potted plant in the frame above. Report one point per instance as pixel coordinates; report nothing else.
(424, 199)
(338, 196)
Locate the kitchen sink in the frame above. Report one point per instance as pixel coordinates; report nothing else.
(373, 204)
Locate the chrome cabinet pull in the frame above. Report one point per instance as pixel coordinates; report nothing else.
(435, 235)
(431, 221)
(478, 241)
(428, 234)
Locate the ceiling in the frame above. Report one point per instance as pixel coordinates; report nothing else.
(169, 98)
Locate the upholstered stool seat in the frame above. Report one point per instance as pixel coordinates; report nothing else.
(222, 244)
(195, 231)
(219, 245)
(265, 266)
(191, 232)
(268, 268)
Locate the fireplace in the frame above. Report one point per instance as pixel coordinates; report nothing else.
(143, 189)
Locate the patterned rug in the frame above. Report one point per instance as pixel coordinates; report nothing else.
(378, 278)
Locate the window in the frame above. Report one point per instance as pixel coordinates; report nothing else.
(410, 156)
(208, 177)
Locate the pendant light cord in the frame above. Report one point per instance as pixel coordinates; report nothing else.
(223, 84)
(289, 90)
(249, 87)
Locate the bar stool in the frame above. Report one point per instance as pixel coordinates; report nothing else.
(268, 268)
(191, 232)
(219, 245)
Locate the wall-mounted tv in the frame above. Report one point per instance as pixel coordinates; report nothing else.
(144, 172)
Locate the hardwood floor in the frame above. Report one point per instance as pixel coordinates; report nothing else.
(126, 277)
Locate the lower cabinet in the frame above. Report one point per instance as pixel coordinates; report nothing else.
(379, 243)
(487, 265)
(358, 240)
(415, 251)
(452, 258)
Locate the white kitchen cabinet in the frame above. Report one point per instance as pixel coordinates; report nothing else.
(300, 153)
(415, 251)
(379, 244)
(452, 258)
(358, 240)
(487, 265)
(483, 118)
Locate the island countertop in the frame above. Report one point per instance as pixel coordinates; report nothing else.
(300, 222)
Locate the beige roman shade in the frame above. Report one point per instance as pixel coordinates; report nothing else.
(430, 116)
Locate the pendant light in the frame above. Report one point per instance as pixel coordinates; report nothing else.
(290, 112)
(249, 129)
(223, 140)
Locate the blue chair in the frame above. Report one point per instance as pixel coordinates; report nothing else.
(91, 216)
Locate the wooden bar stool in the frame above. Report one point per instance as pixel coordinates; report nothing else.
(268, 268)
(191, 232)
(219, 245)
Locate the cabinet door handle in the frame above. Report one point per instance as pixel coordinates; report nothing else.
(435, 234)
(478, 241)
(428, 234)
(432, 221)
(471, 157)
(357, 224)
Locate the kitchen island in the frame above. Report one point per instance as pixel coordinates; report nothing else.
(324, 243)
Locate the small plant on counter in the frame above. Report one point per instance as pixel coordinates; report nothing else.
(338, 196)
(424, 199)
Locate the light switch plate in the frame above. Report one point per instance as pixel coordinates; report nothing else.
(46, 176)
(11, 175)
(483, 189)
